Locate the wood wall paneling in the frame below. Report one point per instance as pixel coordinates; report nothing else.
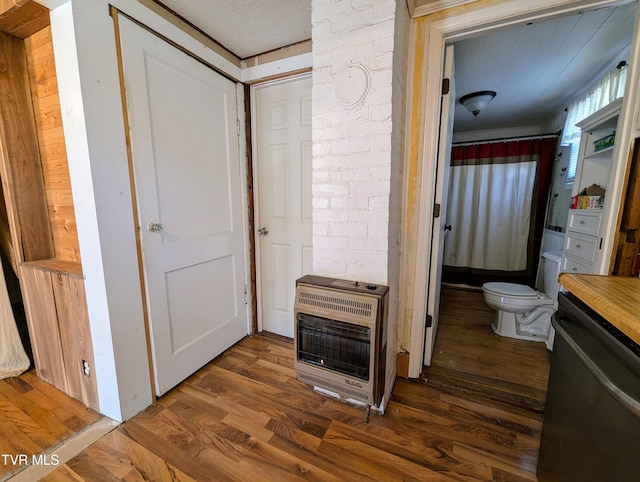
(39, 211)
(53, 154)
(22, 179)
(73, 322)
(627, 258)
(42, 319)
(59, 327)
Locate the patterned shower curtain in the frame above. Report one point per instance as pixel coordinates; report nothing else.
(497, 198)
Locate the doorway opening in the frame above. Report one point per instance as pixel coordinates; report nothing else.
(448, 31)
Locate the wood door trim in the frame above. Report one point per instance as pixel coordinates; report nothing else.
(134, 203)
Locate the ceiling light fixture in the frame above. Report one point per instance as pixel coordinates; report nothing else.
(476, 101)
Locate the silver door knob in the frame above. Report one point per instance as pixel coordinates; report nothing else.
(263, 231)
(154, 227)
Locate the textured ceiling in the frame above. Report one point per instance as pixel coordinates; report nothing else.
(536, 68)
(248, 27)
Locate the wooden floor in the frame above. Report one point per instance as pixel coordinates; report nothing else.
(35, 417)
(245, 417)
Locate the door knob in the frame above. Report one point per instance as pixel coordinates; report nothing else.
(263, 231)
(154, 227)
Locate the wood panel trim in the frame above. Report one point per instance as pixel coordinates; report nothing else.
(20, 165)
(134, 201)
(68, 268)
(22, 18)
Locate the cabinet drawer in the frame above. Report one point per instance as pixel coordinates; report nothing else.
(581, 247)
(585, 222)
(570, 265)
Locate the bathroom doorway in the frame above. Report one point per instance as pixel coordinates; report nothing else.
(493, 130)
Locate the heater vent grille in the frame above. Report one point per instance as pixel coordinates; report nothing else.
(339, 303)
(341, 389)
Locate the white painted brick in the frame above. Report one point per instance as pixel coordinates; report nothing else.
(328, 188)
(356, 174)
(326, 216)
(332, 243)
(352, 147)
(319, 202)
(348, 203)
(381, 114)
(378, 187)
(385, 9)
(382, 173)
(369, 244)
(378, 231)
(320, 231)
(319, 176)
(351, 230)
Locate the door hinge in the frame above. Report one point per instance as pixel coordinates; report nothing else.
(429, 322)
(436, 210)
(238, 127)
(246, 295)
(446, 85)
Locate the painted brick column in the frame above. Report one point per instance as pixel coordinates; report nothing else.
(352, 140)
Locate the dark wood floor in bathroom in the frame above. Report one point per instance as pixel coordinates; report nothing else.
(476, 416)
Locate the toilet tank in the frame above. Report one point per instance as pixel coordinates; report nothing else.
(551, 262)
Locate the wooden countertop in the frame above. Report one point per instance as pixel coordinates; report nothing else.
(615, 298)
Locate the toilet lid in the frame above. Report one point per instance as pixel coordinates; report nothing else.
(511, 289)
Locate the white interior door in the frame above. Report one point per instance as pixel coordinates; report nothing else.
(184, 142)
(284, 221)
(440, 198)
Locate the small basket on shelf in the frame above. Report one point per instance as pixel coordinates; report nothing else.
(604, 142)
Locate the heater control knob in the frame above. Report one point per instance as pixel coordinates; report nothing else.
(371, 286)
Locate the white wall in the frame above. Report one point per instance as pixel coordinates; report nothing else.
(90, 99)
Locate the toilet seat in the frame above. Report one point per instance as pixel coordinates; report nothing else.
(511, 290)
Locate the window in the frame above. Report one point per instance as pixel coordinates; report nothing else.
(609, 88)
(573, 163)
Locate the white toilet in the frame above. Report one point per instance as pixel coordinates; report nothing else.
(522, 312)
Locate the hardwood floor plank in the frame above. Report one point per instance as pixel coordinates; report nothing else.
(435, 455)
(64, 474)
(475, 417)
(25, 424)
(186, 462)
(146, 465)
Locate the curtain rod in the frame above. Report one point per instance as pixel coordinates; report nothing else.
(503, 139)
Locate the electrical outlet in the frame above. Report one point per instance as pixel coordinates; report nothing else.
(86, 368)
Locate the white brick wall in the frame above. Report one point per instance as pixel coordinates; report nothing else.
(352, 144)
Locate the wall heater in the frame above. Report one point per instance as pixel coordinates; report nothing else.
(340, 337)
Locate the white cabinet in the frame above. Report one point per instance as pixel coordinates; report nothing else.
(583, 241)
(594, 165)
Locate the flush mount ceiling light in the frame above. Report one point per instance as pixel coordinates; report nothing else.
(476, 101)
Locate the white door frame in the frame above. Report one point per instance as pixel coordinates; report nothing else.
(255, 184)
(433, 37)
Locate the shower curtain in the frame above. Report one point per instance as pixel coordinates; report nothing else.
(497, 197)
